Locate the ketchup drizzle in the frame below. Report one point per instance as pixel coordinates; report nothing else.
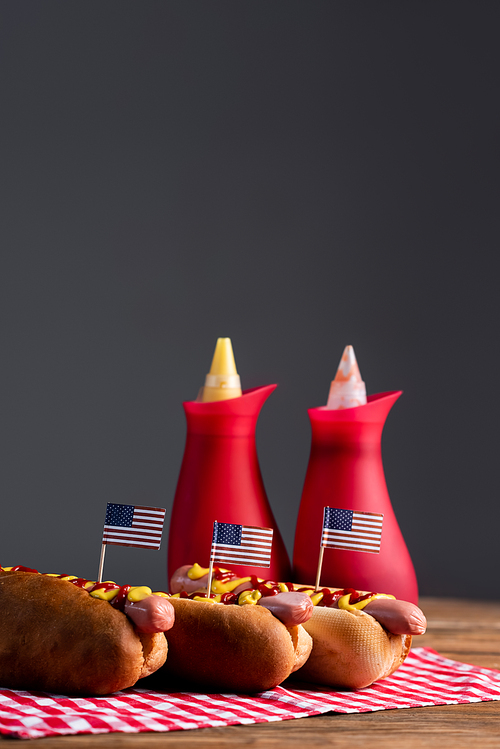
(119, 600)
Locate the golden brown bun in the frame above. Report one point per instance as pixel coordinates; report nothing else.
(302, 644)
(55, 637)
(350, 649)
(231, 648)
(154, 651)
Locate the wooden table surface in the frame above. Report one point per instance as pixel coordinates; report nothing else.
(466, 631)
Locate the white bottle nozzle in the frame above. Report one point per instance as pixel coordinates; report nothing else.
(347, 389)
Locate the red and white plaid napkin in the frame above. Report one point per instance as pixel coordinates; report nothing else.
(426, 678)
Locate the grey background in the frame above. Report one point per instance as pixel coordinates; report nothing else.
(297, 176)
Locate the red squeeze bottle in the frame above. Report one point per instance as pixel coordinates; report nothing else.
(345, 471)
(220, 477)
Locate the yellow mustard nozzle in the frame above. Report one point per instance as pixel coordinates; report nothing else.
(223, 380)
(347, 389)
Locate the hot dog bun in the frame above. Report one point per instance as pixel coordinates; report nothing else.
(55, 637)
(232, 648)
(351, 649)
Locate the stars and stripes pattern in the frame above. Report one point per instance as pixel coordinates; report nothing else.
(133, 525)
(241, 544)
(425, 678)
(355, 531)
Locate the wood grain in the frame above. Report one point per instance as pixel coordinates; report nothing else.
(464, 630)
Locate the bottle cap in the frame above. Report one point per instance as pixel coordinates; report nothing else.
(223, 380)
(347, 389)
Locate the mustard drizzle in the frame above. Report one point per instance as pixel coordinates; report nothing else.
(249, 596)
(98, 590)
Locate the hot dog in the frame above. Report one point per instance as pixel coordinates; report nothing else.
(231, 648)
(61, 633)
(358, 637)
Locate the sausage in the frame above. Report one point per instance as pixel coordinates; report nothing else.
(151, 614)
(180, 581)
(398, 617)
(241, 587)
(290, 608)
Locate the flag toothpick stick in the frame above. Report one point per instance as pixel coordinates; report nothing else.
(209, 581)
(211, 565)
(101, 563)
(320, 564)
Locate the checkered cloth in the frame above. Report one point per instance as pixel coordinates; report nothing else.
(426, 678)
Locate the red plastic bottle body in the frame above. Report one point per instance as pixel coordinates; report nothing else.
(345, 471)
(220, 479)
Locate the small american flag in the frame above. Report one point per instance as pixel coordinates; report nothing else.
(128, 525)
(348, 529)
(241, 544)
